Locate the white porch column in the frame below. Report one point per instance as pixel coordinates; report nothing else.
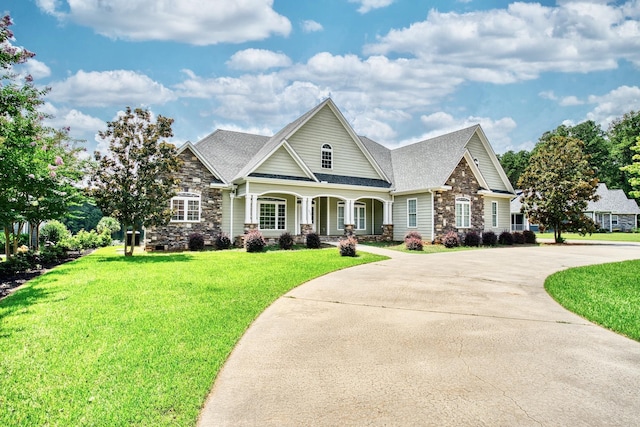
(254, 209)
(307, 210)
(388, 213)
(303, 211)
(247, 208)
(348, 211)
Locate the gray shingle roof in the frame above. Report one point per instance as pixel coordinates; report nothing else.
(614, 201)
(428, 164)
(381, 154)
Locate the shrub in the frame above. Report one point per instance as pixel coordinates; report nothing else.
(86, 239)
(15, 264)
(518, 238)
(529, 237)
(54, 232)
(412, 235)
(51, 254)
(489, 238)
(223, 241)
(472, 239)
(313, 241)
(506, 238)
(285, 241)
(109, 224)
(254, 242)
(104, 239)
(413, 243)
(451, 240)
(347, 246)
(196, 242)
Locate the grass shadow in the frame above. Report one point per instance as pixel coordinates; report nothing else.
(145, 259)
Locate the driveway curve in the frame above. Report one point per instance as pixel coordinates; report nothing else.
(464, 338)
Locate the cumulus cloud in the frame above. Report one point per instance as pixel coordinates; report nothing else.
(368, 5)
(105, 88)
(34, 68)
(614, 104)
(519, 42)
(258, 59)
(311, 26)
(81, 126)
(187, 21)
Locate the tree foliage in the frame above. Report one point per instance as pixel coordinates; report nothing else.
(514, 164)
(633, 170)
(557, 186)
(134, 181)
(623, 133)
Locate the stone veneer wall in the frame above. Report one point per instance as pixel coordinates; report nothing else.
(194, 178)
(463, 184)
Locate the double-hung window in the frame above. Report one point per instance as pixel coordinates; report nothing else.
(494, 214)
(272, 214)
(412, 212)
(359, 216)
(326, 156)
(463, 212)
(185, 207)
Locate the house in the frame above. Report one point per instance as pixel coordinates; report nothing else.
(613, 211)
(317, 175)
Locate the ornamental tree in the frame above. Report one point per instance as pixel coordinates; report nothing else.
(557, 186)
(135, 180)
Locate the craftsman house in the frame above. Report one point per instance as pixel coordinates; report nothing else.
(317, 175)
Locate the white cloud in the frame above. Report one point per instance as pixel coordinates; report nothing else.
(258, 59)
(570, 101)
(188, 21)
(497, 131)
(614, 104)
(35, 68)
(81, 126)
(106, 88)
(519, 42)
(311, 26)
(368, 5)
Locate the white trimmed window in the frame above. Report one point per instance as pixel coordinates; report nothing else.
(326, 156)
(340, 216)
(273, 214)
(412, 213)
(359, 216)
(614, 220)
(494, 214)
(463, 212)
(185, 207)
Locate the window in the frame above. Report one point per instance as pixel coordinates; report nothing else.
(272, 214)
(340, 216)
(185, 207)
(412, 212)
(614, 220)
(326, 157)
(494, 214)
(359, 216)
(463, 212)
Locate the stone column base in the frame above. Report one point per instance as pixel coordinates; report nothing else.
(387, 232)
(349, 230)
(306, 229)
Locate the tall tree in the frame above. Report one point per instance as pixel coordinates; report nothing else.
(623, 132)
(557, 186)
(135, 180)
(514, 164)
(633, 170)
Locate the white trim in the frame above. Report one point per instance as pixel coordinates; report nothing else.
(433, 220)
(413, 199)
(495, 224)
(423, 190)
(325, 150)
(185, 198)
(475, 169)
(463, 201)
(323, 186)
(277, 202)
(493, 158)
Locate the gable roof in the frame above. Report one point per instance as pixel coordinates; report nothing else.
(614, 201)
(218, 179)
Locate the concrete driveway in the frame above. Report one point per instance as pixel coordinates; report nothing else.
(465, 338)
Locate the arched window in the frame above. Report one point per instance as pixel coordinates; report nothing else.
(463, 212)
(185, 207)
(326, 157)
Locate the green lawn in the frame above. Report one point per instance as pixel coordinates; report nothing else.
(607, 294)
(113, 341)
(426, 249)
(607, 237)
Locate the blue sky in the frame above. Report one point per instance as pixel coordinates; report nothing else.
(400, 71)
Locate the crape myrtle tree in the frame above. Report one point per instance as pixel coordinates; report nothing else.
(135, 180)
(557, 186)
(38, 168)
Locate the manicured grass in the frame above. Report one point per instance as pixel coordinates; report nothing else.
(607, 237)
(426, 249)
(114, 341)
(607, 294)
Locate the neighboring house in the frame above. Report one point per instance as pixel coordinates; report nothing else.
(613, 211)
(317, 175)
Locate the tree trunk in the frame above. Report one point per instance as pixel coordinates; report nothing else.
(7, 243)
(133, 242)
(16, 237)
(126, 247)
(557, 233)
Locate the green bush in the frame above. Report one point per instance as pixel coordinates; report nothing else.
(254, 242)
(313, 241)
(109, 224)
(285, 241)
(51, 254)
(54, 232)
(347, 247)
(86, 240)
(104, 239)
(223, 241)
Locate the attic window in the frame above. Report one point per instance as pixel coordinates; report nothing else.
(326, 157)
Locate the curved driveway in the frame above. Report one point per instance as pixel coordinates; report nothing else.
(465, 338)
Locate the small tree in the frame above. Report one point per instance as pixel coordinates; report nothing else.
(107, 225)
(633, 170)
(135, 180)
(557, 186)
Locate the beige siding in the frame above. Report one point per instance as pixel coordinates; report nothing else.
(316, 191)
(489, 171)
(424, 216)
(325, 128)
(504, 215)
(281, 163)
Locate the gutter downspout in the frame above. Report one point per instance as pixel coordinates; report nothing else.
(433, 212)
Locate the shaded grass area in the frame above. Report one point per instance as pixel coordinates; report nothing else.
(113, 341)
(607, 294)
(605, 237)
